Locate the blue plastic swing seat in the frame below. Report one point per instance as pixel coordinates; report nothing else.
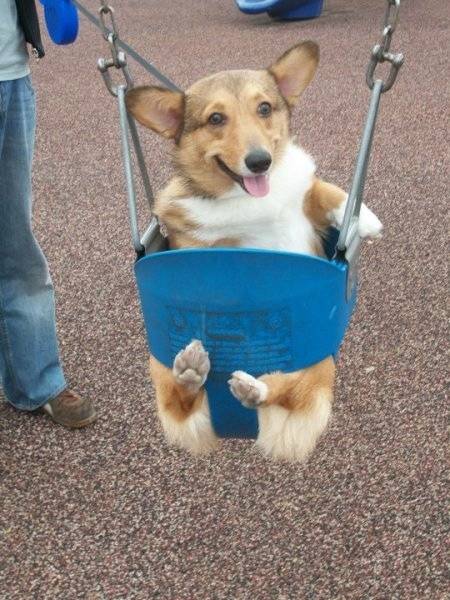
(283, 9)
(254, 310)
(61, 19)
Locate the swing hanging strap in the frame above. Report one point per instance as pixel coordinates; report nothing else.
(118, 62)
(110, 34)
(349, 241)
(127, 124)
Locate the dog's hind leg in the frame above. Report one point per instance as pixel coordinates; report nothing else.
(182, 400)
(293, 408)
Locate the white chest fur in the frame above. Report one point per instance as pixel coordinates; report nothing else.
(276, 221)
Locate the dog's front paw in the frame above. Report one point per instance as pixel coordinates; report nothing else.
(191, 366)
(369, 224)
(251, 392)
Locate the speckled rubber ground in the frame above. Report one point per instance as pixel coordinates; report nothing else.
(112, 512)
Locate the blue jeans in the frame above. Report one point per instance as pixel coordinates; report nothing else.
(30, 369)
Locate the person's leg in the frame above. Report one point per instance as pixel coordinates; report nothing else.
(30, 368)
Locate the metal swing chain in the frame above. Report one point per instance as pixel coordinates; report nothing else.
(349, 242)
(381, 53)
(118, 60)
(118, 57)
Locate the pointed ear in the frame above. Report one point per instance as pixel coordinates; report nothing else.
(157, 108)
(295, 69)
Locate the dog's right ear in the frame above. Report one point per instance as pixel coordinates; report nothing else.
(157, 108)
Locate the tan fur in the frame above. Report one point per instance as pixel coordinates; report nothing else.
(182, 240)
(175, 398)
(290, 80)
(184, 415)
(237, 93)
(296, 391)
(296, 411)
(322, 198)
(166, 109)
(298, 405)
(292, 434)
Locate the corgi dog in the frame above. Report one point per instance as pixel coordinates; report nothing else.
(241, 181)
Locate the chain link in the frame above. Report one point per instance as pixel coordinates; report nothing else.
(391, 17)
(381, 52)
(105, 11)
(118, 57)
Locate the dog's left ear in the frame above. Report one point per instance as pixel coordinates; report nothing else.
(295, 70)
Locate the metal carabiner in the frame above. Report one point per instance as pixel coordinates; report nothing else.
(378, 56)
(380, 52)
(104, 66)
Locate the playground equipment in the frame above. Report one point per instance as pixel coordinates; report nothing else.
(283, 9)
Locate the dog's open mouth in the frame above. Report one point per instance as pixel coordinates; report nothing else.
(255, 185)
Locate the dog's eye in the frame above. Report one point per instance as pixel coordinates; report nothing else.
(216, 119)
(265, 109)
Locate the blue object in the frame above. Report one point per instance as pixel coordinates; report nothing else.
(283, 9)
(61, 19)
(254, 310)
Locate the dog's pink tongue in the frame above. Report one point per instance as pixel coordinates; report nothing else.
(257, 186)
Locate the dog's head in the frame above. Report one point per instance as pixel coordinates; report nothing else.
(232, 126)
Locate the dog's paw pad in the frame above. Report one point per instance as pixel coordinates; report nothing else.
(251, 392)
(191, 365)
(369, 225)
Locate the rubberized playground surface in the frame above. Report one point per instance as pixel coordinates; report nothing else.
(112, 512)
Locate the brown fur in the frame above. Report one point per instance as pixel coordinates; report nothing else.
(166, 109)
(296, 391)
(179, 400)
(238, 93)
(198, 142)
(291, 80)
(322, 198)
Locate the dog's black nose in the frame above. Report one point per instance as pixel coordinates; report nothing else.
(258, 161)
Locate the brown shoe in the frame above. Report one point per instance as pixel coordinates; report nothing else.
(70, 410)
